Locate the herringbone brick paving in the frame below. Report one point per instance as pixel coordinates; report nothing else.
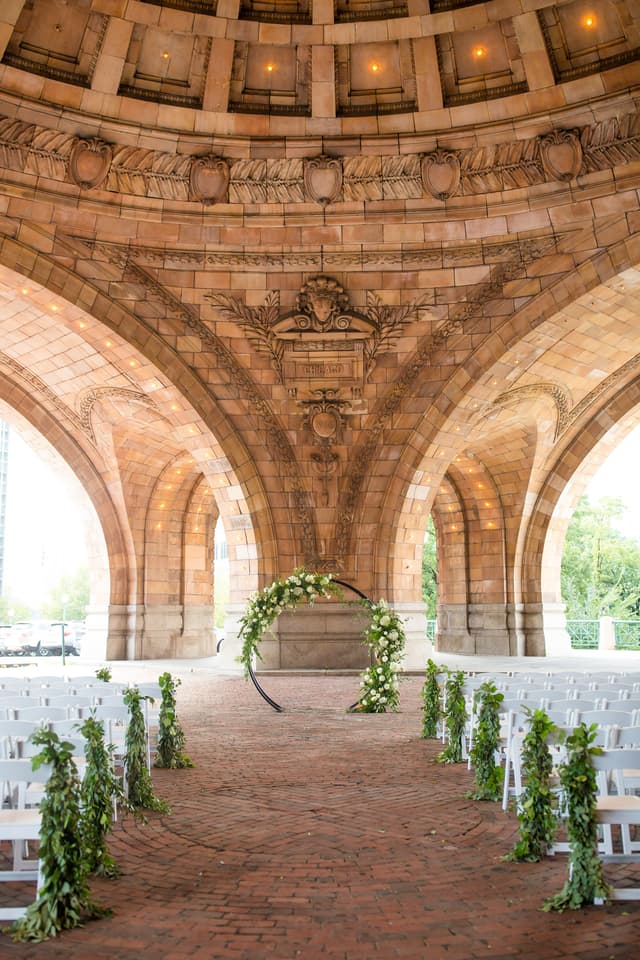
(319, 834)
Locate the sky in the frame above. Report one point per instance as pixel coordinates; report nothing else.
(45, 538)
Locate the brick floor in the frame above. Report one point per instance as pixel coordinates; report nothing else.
(319, 834)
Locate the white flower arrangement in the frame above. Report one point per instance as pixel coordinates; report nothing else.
(264, 607)
(379, 682)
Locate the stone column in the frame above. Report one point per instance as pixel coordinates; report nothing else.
(197, 638)
(557, 640)
(124, 620)
(489, 629)
(161, 631)
(535, 644)
(417, 648)
(452, 634)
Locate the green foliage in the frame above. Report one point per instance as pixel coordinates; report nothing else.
(100, 788)
(600, 567)
(76, 587)
(63, 899)
(430, 571)
(171, 735)
(265, 607)
(431, 697)
(103, 673)
(536, 810)
(21, 609)
(385, 638)
(488, 775)
(455, 718)
(140, 793)
(586, 881)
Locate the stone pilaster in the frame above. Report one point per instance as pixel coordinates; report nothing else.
(488, 627)
(452, 635)
(198, 636)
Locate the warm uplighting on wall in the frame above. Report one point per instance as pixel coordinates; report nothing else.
(82, 324)
(487, 503)
(165, 54)
(589, 21)
(132, 363)
(479, 52)
(108, 343)
(375, 67)
(24, 291)
(270, 67)
(54, 307)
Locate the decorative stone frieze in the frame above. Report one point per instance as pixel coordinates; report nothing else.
(89, 163)
(442, 173)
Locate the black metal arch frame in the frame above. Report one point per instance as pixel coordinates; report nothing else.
(254, 679)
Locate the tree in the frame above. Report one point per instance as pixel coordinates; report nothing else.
(76, 588)
(430, 571)
(600, 571)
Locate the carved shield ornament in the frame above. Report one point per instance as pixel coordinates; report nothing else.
(89, 163)
(441, 174)
(209, 179)
(561, 153)
(323, 179)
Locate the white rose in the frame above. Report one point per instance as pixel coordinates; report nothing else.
(385, 621)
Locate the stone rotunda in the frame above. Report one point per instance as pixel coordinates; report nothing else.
(322, 269)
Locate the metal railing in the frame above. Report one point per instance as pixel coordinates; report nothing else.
(585, 634)
(627, 634)
(431, 630)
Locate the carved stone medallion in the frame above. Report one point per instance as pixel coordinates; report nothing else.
(561, 154)
(323, 179)
(441, 174)
(209, 179)
(89, 162)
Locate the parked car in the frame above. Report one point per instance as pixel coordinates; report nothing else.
(9, 645)
(50, 641)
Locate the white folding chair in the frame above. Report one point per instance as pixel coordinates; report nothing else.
(19, 825)
(620, 809)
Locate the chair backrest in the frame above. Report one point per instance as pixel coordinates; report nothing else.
(611, 764)
(42, 714)
(604, 718)
(625, 736)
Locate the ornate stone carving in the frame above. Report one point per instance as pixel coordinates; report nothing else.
(503, 166)
(561, 154)
(323, 179)
(324, 421)
(209, 179)
(323, 343)
(559, 396)
(441, 174)
(89, 163)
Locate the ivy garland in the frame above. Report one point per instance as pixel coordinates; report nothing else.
(104, 674)
(488, 775)
(385, 638)
(431, 702)
(455, 718)
(585, 882)
(265, 607)
(537, 806)
(140, 793)
(171, 735)
(63, 900)
(100, 789)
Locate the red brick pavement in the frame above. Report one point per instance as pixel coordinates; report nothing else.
(318, 834)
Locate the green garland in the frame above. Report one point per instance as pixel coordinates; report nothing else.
(537, 817)
(100, 789)
(140, 793)
(385, 638)
(63, 900)
(103, 673)
(431, 702)
(585, 882)
(488, 775)
(266, 606)
(455, 718)
(170, 735)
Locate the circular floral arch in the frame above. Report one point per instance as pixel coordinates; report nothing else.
(384, 635)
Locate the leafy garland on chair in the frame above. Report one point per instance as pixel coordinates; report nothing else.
(537, 818)
(139, 791)
(431, 702)
(63, 900)
(265, 607)
(386, 639)
(100, 789)
(585, 882)
(455, 718)
(170, 733)
(488, 775)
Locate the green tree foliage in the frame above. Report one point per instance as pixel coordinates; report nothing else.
(430, 571)
(76, 587)
(600, 566)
